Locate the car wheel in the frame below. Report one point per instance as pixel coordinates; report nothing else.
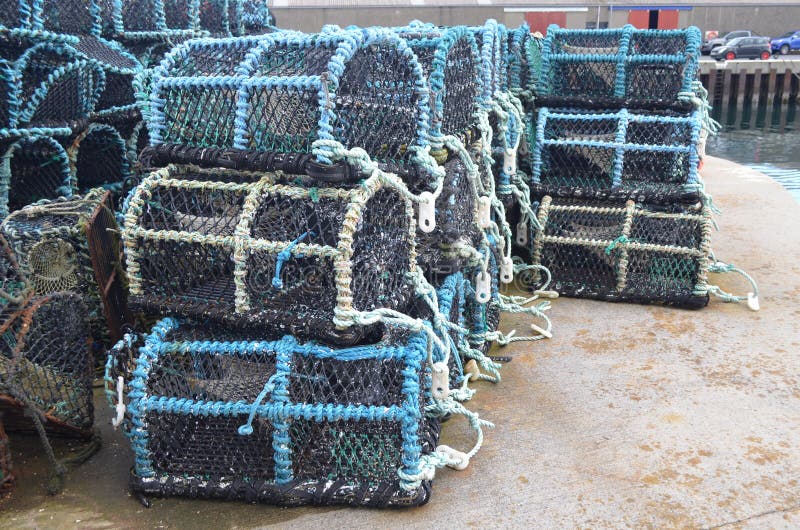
(784, 49)
(765, 56)
(730, 56)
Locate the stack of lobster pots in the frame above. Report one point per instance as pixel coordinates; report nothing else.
(320, 245)
(617, 123)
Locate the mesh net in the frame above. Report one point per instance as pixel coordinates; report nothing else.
(45, 362)
(450, 61)
(378, 103)
(70, 16)
(12, 14)
(289, 256)
(326, 426)
(38, 169)
(616, 154)
(73, 244)
(629, 66)
(69, 94)
(100, 158)
(119, 66)
(625, 251)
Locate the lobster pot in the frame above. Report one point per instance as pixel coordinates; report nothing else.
(456, 224)
(491, 41)
(99, 158)
(34, 168)
(281, 92)
(281, 422)
(620, 154)
(274, 256)
(6, 475)
(524, 60)
(625, 251)
(46, 365)
(451, 62)
(618, 67)
(74, 245)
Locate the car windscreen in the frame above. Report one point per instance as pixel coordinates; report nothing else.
(736, 41)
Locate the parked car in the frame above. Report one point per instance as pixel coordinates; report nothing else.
(743, 48)
(708, 46)
(789, 41)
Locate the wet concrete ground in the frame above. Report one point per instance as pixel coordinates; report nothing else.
(630, 416)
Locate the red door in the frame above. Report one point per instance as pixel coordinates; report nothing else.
(639, 18)
(539, 20)
(668, 19)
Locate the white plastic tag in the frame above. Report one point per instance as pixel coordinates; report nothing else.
(484, 212)
(440, 380)
(483, 287)
(752, 302)
(120, 408)
(427, 212)
(506, 270)
(522, 234)
(510, 162)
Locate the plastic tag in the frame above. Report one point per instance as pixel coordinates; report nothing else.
(522, 234)
(510, 162)
(471, 369)
(752, 302)
(120, 408)
(546, 294)
(484, 212)
(506, 270)
(483, 287)
(440, 380)
(427, 212)
(455, 459)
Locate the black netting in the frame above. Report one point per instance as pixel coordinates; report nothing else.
(188, 275)
(177, 13)
(12, 14)
(141, 15)
(101, 158)
(45, 362)
(67, 96)
(625, 252)
(69, 16)
(456, 100)
(39, 170)
(220, 17)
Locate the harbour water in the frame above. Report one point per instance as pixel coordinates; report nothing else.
(772, 147)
